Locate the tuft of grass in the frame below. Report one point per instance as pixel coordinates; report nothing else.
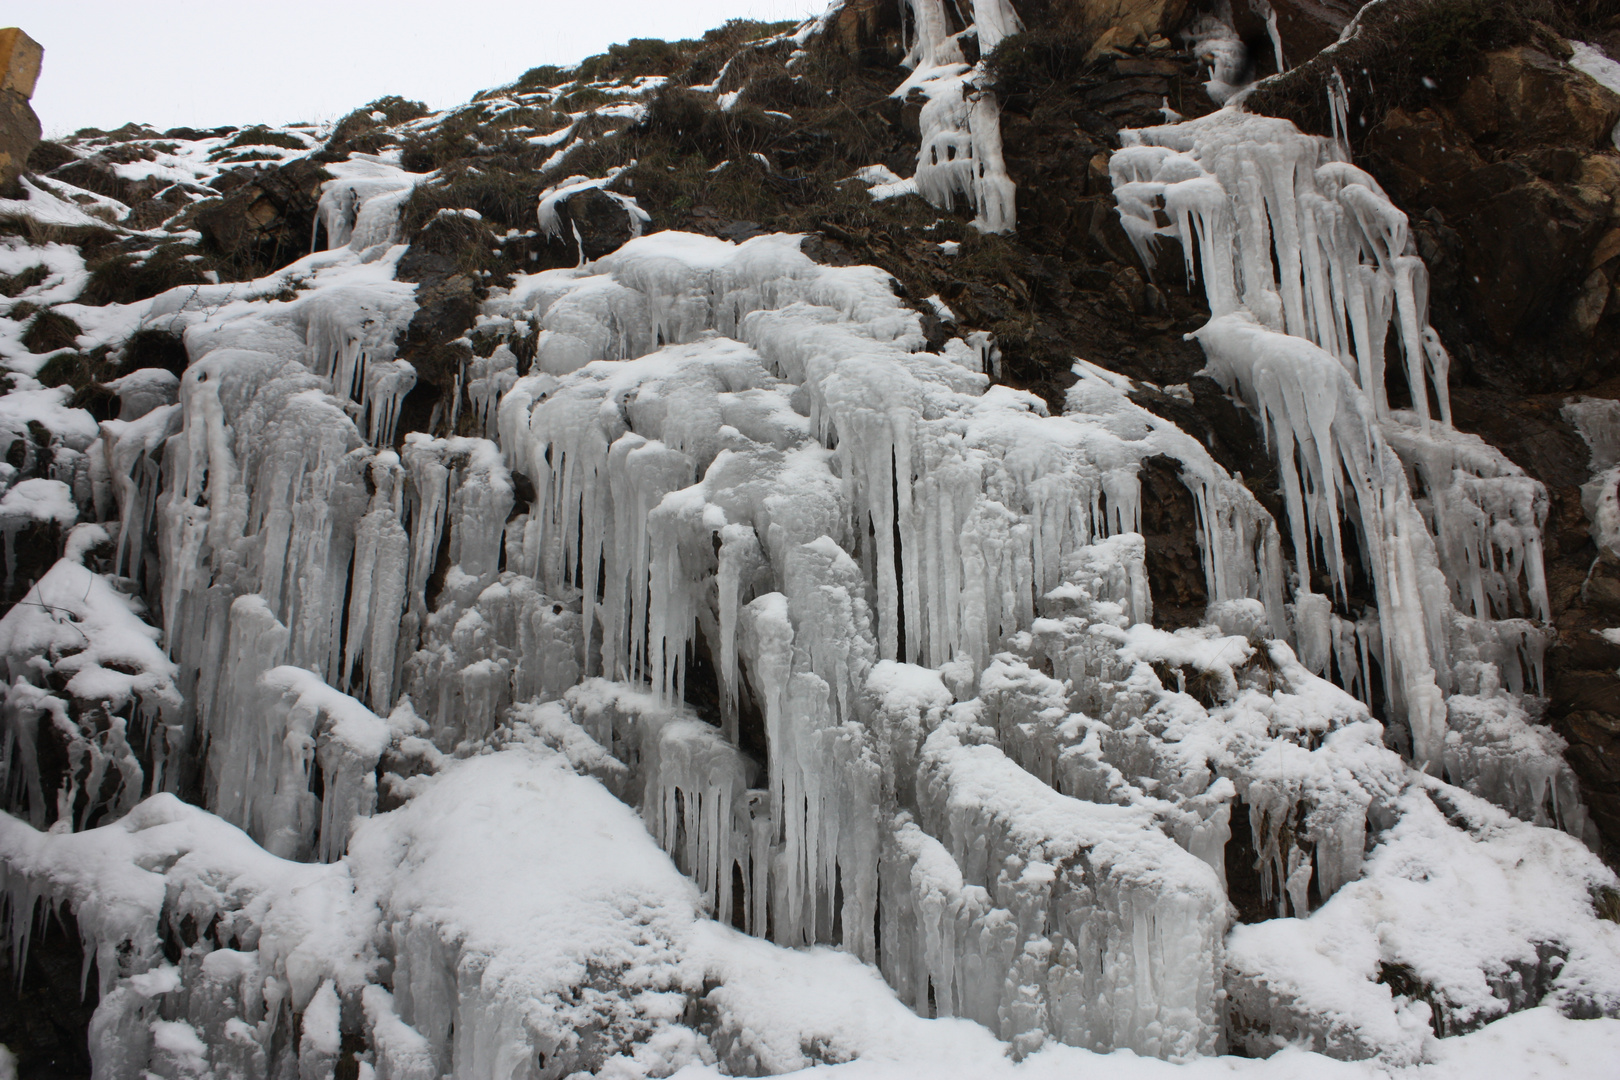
(1038, 59)
(49, 331)
(1606, 900)
(543, 77)
(456, 137)
(358, 132)
(262, 136)
(637, 58)
(85, 374)
(126, 279)
(503, 195)
(154, 349)
(23, 280)
(398, 110)
(725, 43)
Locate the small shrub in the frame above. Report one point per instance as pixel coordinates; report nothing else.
(543, 77)
(263, 136)
(503, 196)
(721, 45)
(398, 110)
(357, 132)
(637, 58)
(154, 349)
(124, 279)
(455, 137)
(73, 369)
(231, 158)
(1040, 59)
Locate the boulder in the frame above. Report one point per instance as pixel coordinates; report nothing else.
(19, 133)
(20, 57)
(267, 221)
(1306, 27)
(1524, 95)
(600, 223)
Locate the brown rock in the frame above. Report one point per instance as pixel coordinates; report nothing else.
(20, 57)
(1529, 245)
(1306, 27)
(594, 222)
(1426, 152)
(1590, 303)
(1524, 95)
(1126, 21)
(268, 221)
(861, 25)
(19, 133)
(1608, 246)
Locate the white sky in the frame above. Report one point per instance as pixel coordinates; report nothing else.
(203, 63)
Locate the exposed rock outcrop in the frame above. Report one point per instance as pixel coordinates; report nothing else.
(20, 59)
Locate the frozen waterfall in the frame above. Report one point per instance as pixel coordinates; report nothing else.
(719, 561)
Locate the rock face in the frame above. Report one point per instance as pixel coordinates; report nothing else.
(20, 57)
(1306, 27)
(267, 220)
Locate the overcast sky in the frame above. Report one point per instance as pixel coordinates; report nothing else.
(203, 63)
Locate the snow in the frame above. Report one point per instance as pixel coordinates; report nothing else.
(36, 500)
(1591, 61)
(1529, 932)
(40, 205)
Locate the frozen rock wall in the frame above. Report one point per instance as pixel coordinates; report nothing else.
(728, 562)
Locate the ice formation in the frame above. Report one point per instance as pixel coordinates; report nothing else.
(80, 659)
(360, 206)
(945, 736)
(1307, 266)
(961, 153)
(1598, 422)
(736, 569)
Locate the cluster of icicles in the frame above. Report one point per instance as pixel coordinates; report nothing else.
(960, 155)
(1306, 266)
(937, 696)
